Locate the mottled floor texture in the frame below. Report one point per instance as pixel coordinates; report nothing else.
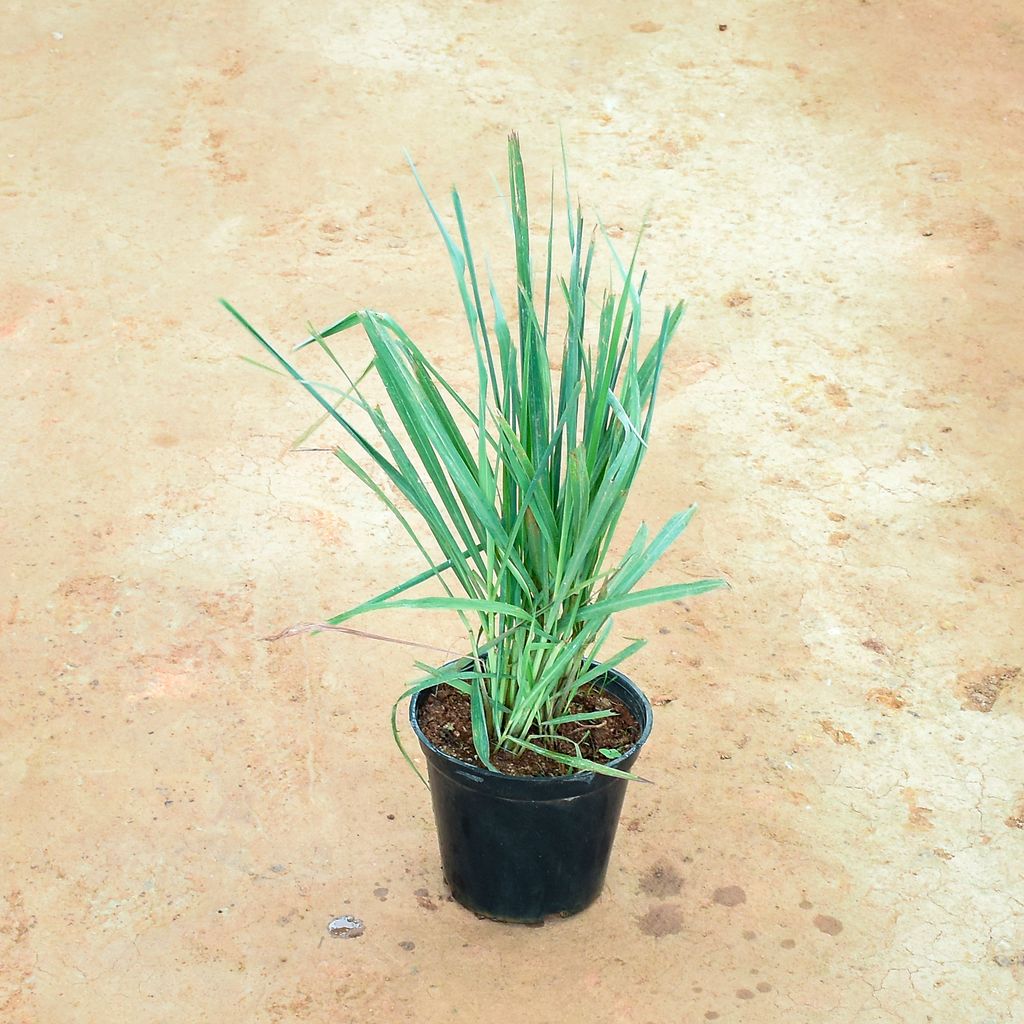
(836, 830)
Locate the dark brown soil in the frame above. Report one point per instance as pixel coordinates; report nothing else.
(445, 720)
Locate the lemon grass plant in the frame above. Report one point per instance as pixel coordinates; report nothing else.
(516, 491)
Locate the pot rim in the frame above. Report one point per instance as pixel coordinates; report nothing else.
(576, 778)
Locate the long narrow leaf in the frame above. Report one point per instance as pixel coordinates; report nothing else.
(656, 595)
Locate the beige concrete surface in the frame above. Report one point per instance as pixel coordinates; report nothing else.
(836, 830)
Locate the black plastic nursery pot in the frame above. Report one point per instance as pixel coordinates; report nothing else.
(522, 848)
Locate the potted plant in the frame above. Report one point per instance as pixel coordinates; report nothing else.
(516, 491)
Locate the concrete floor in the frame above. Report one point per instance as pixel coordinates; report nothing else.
(836, 832)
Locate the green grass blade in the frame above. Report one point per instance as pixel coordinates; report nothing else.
(478, 718)
(635, 565)
(464, 604)
(582, 716)
(656, 595)
(581, 764)
(352, 320)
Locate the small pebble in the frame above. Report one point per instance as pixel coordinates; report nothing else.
(346, 927)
